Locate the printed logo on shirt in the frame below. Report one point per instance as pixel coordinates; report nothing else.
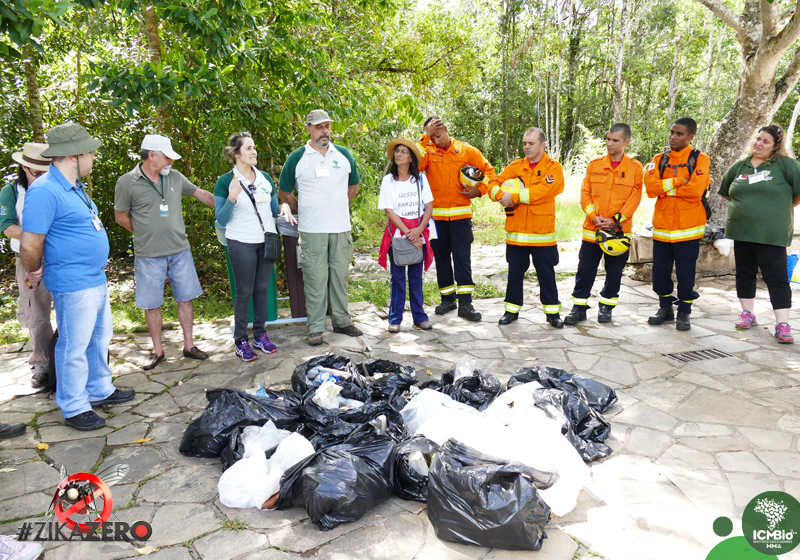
(336, 165)
(699, 172)
(550, 179)
(650, 167)
(3, 210)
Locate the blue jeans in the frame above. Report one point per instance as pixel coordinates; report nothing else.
(84, 333)
(397, 303)
(152, 271)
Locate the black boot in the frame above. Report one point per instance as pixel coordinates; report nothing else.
(683, 323)
(555, 320)
(445, 307)
(468, 312)
(576, 315)
(604, 313)
(508, 318)
(663, 315)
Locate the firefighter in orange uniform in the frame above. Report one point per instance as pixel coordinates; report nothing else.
(531, 224)
(442, 160)
(678, 178)
(612, 188)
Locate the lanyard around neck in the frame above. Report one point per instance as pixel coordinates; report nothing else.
(85, 198)
(152, 184)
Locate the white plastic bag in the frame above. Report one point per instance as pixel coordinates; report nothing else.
(428, 402)
(327, 395)
(724, 246)
(247, 484)
(265, 437)
(291, 451)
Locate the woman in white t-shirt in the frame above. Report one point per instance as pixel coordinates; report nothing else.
(407, 200)
(243, 213)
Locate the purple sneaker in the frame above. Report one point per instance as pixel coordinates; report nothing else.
(244, 351)
(263, 344)
(783, 332)
(746, 320)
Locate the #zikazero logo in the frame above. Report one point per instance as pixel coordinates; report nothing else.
(771, 523)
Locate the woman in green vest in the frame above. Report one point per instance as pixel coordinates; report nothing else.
(762, 190)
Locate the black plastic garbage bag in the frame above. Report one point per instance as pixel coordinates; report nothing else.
(409, 482)
(597, 395)
(713, 232)
(583, 426)
(209, 434)
(234, 451)
(400, 378)
(484, 501)
(304, 379)
(341, 483)
(477, 390)
(334, 426)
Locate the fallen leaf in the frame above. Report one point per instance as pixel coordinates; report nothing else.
(145, 440)
(7, 469)
(744, 339)
(429, 372)
(180, 383)
(43, 446)
(149, 549)
(531, 359)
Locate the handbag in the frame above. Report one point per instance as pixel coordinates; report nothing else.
(404, 253)
(272, 241)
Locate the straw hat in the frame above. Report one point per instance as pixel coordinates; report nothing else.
(31, 156)
(410, 144)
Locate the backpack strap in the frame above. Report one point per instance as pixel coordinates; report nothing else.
(662, 165)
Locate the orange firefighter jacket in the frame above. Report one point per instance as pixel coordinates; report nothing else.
(607, 191)
(679, 213)
(443, 169)
(533, 222)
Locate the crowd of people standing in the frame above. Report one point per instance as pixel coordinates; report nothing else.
(62, 247)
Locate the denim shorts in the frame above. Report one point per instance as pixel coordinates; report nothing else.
(150, 274)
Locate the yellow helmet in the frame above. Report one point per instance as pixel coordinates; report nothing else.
(613, 243)
(513, 186)
(471, 176)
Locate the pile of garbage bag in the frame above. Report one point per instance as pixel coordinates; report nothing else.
(492, 462)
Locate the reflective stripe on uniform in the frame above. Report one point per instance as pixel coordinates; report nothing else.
(679, 234)
(447, 290)
(580, 301)
(589, 209)
(423, 152)
(622, 218)
(525, 196)
(493, 193)
(452, 212)
(552, 309)
(511, 308)
(609, 301)
(466, 289)
(531, 238)
(687, 300)
(668, 188)
(590, 235)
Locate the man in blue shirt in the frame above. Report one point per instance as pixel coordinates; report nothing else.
(65, 244)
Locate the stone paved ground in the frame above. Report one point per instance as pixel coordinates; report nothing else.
(691, 442)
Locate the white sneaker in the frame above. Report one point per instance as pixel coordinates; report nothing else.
(12, 549)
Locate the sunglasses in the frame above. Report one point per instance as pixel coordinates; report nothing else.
(35, 173)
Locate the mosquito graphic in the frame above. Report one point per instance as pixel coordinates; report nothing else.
(74, 491)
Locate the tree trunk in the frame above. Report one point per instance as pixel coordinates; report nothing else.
(154, 46)
(790, 128)
(32, 90)
(674, 85)
(618, 67)
(761, 92)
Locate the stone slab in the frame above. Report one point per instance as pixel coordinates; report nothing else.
(158, 407)
(645, 416)
(128, 434)
(55, 434)
(782, 463)
(705, 405)
(741, 462)
(76, 456)
(224, 545)
(183, 485)
(28, 505)
(28, 477)
(399, 537)
(177, 523)
(144, 462)
(746, 486)
(771, 440)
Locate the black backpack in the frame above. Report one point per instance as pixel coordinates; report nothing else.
(50, 386)
(691, 164)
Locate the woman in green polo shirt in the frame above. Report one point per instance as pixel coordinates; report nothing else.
(762, 190)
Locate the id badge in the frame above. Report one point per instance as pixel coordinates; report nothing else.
(164, 209)
(260, 197)
(323, 171)
(98, 225)
(756, 177)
